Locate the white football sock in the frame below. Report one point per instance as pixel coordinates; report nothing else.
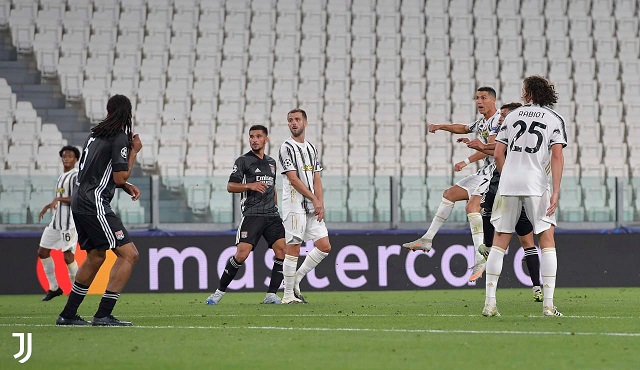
(50, 270)
(548, 269)
(444, 211)
(73, 270)
(289, 267)
(493, 270)
(310, 262)
(477, 233)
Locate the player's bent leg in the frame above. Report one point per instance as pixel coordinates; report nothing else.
(532, 260)
(289, 267)
(449, 197)
(72, 265)
(127, 256)
(230, 271)
(442, 214)
(473, 205)
(121, 271)
(49, 267)
(89, 268)
(242, 252)
(86, 274)
(321, 250)
(494, 267)
(276, 273)
(477, 235)
(44, 252)
(455, 194)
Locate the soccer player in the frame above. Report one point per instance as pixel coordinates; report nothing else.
(60, 233)
(302, 206)
(254, 176)
(107, 159)
(471, 187)
(524, 228)
(528, 147)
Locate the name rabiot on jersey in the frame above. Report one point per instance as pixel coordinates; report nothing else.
(529, 132)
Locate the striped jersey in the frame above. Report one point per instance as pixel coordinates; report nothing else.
(65, 187)
(302, 158)
(483, 128)
(250, 168)
(529, 132)
(100, 159)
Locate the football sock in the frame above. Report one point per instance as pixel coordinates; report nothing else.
(310, 262)
(73, 270)
(107, 303)
(533, 264)
(276, 276)
(475, 223)
(50, 270)
(548, 267)
(289, 267)
(493, 270)
(444, 211)
(78, 292)
(488, 229)
(230, 271)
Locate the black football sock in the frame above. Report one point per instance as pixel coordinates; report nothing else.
(533, 264)
(107, 303)
(230, 271)
(78, 292)
(276, 276)
(488, 229)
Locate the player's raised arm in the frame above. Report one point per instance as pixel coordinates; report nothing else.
(454, 128)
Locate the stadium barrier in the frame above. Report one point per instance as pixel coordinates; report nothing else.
(358, 261)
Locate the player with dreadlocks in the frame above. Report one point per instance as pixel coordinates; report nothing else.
(107, 159)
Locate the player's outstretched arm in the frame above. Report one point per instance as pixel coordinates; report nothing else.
(454, 128)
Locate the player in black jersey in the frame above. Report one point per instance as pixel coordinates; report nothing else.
(524, 228)
(107, 159)
(254, 176)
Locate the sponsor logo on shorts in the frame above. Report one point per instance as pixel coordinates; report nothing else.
(119, 235)
(244, 234)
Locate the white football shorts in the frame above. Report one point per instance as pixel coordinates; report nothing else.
(475, 184)
(300, 227)
(506, 211)
(63, 240)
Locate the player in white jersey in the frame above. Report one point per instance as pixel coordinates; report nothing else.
(302, 206)
(60, 234)
(528, 147)
(471, 187)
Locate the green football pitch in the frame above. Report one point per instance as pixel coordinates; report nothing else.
(426, 329)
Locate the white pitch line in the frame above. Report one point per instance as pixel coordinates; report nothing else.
(213, 314)
(371, 330)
